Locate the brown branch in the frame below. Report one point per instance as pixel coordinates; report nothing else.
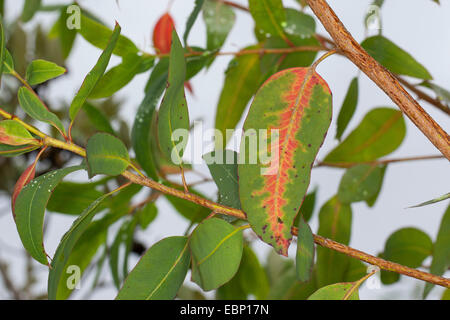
(381, 76)
(385, 161)
(234, 5)
(424, 96)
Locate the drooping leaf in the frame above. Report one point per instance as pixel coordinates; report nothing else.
(173, 113)
(118, 77)
(305, 252)
(380, 132)
(441, 251)
(372, 200)
(79, 195)
(13, 133)
(30, 209)
(162, 33)
(191, 20)
(222, 165)
(219, 19)
(394, 58)
(336, 291)
(141, 133)
(99, 35)
(65, 35)
(215, 245)
(242, 79)
(348, 108)
(251, 278)
(360, 183)
(294, 107)
(269, 16)
(40, 71)
(67, 244)
(94, 76)
(146, 215)
(160, 272)
(13, 151)
(106, 154)
(34, 107)
(307, 208)
(335, 220)
(30, 7)
(2, 46)
(26, 176)
(438, 199)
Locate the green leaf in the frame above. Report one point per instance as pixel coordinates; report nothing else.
(39, 71)
(98, 118)
(348, 108)
(307, 208)
(8, 63)
(222, 165)
(293, 109)
(34, 107)
(94, 76)
(13, 151)
(65, 35)
(251, 278)
(97, 34)
(160, 272)
(394, 58)
(191, 20)
(441, 251)
(380, 132)
(299, 24)
(141, 132)
(215, 245)
(146, 215)
(408, 246)
(79, 195)
(118, 77)
(2, 46)
(337, 291)
(219, 19)
(438, 199)
(441, 93)
(173, 113)
(106, 154)
(30, 209)
(360, 183)
(68, 242)
(335, 221)
(242, 79)
(30, 7)
(13, 133)
(371, 201)
(269, 16)
(446, 295)
(305, 252)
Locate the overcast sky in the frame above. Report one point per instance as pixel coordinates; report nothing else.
(420, 27)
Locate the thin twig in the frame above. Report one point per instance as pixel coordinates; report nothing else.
(376, 162)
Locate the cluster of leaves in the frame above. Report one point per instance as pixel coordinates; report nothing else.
(288, 95)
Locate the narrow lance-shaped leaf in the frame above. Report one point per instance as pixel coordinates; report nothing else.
(441, 251)
(438, 199)
(39, 71)
(215, 245)
(305, 252)
(36, 109)
(13, 151)
(242, 79)
(160, 272)
(94, 76)
(65, 35)
(162, 33)
(30, 7)
(2, 46)
(394, 58)
(141, 131)
(66, 245)
(13, 133)
(348, 108)
(380, 132)
(106, 154)
(30, 209)
(27, 175)
(192, 17)
(293, 110)
(173, 113)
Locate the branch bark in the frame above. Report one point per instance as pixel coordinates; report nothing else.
(381, 76)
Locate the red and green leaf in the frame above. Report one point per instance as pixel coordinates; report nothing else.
(24, 179)
(297, 103)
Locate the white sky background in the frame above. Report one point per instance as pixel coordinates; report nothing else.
(420, 27)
